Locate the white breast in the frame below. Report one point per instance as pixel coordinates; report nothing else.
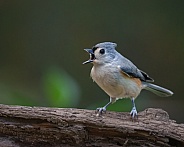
(113, 83)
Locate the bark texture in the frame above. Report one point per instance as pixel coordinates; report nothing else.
(22, 126)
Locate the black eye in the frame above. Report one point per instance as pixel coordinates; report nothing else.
(102, 51)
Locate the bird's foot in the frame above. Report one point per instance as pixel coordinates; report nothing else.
(100, 111)
(133, 113)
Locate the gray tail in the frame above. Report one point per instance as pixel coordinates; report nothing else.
(160, 91)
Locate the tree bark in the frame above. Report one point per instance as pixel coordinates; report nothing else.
(22, 126)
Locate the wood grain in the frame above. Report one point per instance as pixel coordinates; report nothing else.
(54, 127)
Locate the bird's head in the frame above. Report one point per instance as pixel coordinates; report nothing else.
(101, 53)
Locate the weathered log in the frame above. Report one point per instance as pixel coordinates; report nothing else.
(22, 126)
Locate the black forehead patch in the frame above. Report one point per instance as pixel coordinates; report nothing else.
(94, 48)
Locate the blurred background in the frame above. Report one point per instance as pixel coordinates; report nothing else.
(42, 42)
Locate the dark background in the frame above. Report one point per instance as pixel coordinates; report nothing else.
(42, 42)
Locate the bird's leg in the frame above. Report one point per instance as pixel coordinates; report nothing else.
(133, 112)
(103, 109)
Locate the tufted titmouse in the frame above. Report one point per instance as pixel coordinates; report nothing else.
(118, 76)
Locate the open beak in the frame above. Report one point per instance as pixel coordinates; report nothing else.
(92, 56)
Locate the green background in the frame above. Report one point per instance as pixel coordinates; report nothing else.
(42, 42)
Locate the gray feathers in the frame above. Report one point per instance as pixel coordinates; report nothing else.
(129, 68)
(135, 73)
(118, 76)
(160, 91)
(147, 78)
(118, 60)
(108, 46)
(112, 59)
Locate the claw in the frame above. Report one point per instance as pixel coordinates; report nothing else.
(100, 111)
(133, 112)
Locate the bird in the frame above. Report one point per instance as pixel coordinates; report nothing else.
(119, 77)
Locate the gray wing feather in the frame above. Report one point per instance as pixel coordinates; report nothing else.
(131, 70)
(146, 76)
